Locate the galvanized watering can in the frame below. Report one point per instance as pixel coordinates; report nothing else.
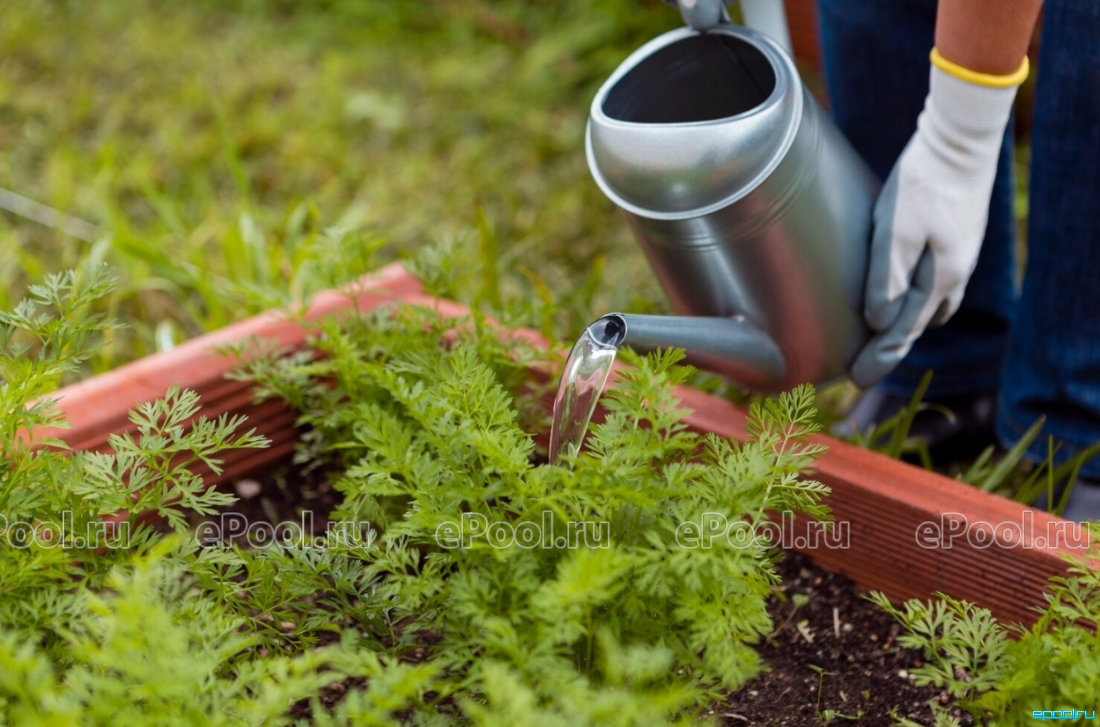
(753, 210)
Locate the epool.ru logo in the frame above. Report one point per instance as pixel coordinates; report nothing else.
(1047, 715)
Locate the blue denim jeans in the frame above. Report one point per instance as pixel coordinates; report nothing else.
(1039, 346)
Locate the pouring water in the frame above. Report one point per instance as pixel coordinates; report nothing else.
(582, 382)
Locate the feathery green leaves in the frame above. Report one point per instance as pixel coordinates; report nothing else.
(605, 621)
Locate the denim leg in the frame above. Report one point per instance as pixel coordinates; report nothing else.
(1053, 364)
(875, 54)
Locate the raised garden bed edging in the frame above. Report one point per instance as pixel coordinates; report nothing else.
(886, 504)
(889, 505)
(100, 406)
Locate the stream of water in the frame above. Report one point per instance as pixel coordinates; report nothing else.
(582, 382)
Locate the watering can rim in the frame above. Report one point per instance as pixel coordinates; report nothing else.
(787, 85)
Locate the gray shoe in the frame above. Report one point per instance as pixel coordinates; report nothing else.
(961, 436)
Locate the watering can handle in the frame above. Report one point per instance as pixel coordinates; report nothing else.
(701, 15)
(767, 16)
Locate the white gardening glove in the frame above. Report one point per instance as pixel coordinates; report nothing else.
(930, 218)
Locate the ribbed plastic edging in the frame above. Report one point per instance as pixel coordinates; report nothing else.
(100, 406)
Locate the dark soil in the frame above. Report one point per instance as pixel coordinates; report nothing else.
(835, 652)
(280, 495)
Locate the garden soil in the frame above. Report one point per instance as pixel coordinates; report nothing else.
(836, 652)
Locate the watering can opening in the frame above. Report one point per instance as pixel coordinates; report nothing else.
(703, 77)
(692, 122)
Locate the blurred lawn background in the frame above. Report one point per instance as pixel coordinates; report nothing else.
(233, 155)
(225, 149)
(231, 152)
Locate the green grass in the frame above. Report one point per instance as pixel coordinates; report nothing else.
(213, 144)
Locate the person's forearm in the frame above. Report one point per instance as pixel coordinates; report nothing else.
(987, 36)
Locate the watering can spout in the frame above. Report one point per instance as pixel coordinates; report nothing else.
(732, 346)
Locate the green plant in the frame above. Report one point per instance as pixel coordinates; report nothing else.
(424, 422)
(99, 619)
(151, 651)
(426, 419)
(1001, 673)
(798, 600)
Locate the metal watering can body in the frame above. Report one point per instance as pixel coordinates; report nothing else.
(753, 210)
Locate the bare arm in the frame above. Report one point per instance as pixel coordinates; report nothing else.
(988, 36)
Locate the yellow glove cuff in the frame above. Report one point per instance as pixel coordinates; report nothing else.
(980, 79)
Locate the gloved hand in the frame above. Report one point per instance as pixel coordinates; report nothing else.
(929, 220)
